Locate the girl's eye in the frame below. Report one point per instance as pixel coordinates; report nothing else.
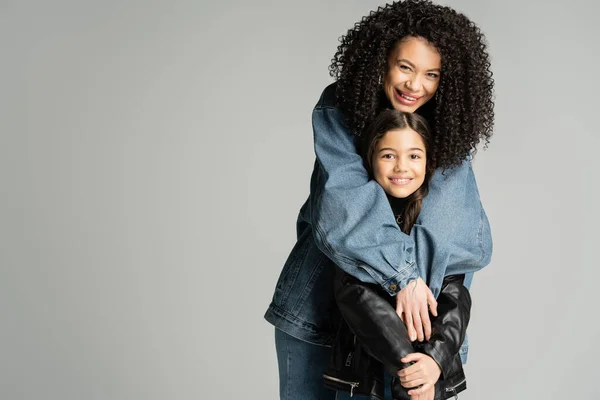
(432, 75)
(387, 156)
(405, 67)
(415, 156)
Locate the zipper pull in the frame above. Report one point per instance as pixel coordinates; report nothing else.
(349, 359)
(352, 386)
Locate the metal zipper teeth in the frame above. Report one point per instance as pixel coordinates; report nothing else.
(353, 385)
(453, 388)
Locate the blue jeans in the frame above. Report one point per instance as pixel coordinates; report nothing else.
(301, 367)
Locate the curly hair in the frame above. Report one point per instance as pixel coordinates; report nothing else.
(461, 114)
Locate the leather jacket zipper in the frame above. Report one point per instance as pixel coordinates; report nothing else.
(353, 385)
(453, 388)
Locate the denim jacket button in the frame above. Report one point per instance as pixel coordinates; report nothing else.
(393, 287)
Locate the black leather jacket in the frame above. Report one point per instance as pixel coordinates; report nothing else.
(372, 337)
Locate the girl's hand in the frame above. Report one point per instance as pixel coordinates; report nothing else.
(411, 307)
(425, 372)
(427, 395)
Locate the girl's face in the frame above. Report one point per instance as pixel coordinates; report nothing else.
(413, 74)
(399, 162)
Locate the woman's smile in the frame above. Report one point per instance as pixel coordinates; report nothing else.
(405, 98)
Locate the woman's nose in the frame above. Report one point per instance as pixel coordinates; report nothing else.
(414, 83)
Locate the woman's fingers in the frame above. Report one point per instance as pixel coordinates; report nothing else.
(410, 302)
(432, 302)
(426, 322)
(400, 310)
(418, 324)
(408, 321)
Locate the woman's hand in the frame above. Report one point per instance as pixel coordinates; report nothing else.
(425, 372)
(411, 307)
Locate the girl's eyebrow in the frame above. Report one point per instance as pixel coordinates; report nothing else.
(394, 150)
(408, 150)
(413, 65)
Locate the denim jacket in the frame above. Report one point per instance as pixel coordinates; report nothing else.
(347, 220)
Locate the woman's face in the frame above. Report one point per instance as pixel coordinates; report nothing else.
(399, 162)
(413, 74)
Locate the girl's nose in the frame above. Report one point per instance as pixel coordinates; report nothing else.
(399, 166)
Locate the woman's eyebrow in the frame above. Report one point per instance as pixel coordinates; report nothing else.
(413, 65)
(406, 61)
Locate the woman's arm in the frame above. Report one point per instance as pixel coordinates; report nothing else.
(350, 214)
(452, 232)
(355, 227)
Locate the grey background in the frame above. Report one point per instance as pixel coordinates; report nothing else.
(153, 156)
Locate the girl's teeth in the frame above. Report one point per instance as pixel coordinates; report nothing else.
(407, 98)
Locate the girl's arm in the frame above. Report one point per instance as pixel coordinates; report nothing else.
(449, 330)
(371, 317)
(450, 326)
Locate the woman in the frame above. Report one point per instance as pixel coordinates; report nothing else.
(410, 56)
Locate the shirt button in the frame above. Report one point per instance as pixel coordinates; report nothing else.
(393, 287)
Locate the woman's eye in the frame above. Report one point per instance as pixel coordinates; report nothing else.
(415, 157)
(404, 67)
(387, 156)
(432, 75)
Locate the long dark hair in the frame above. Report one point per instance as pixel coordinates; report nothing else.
(462, 112)
(389, 120)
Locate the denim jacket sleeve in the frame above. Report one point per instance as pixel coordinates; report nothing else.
(452, 232)
(353, 223)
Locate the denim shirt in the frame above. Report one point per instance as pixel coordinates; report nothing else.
(347, 220)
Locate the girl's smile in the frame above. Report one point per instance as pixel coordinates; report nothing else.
(400, 181)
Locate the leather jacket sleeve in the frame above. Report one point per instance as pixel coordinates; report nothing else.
(450, 326)
(371, 317)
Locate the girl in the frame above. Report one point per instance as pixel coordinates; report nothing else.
(397, 157)
(411, 56)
